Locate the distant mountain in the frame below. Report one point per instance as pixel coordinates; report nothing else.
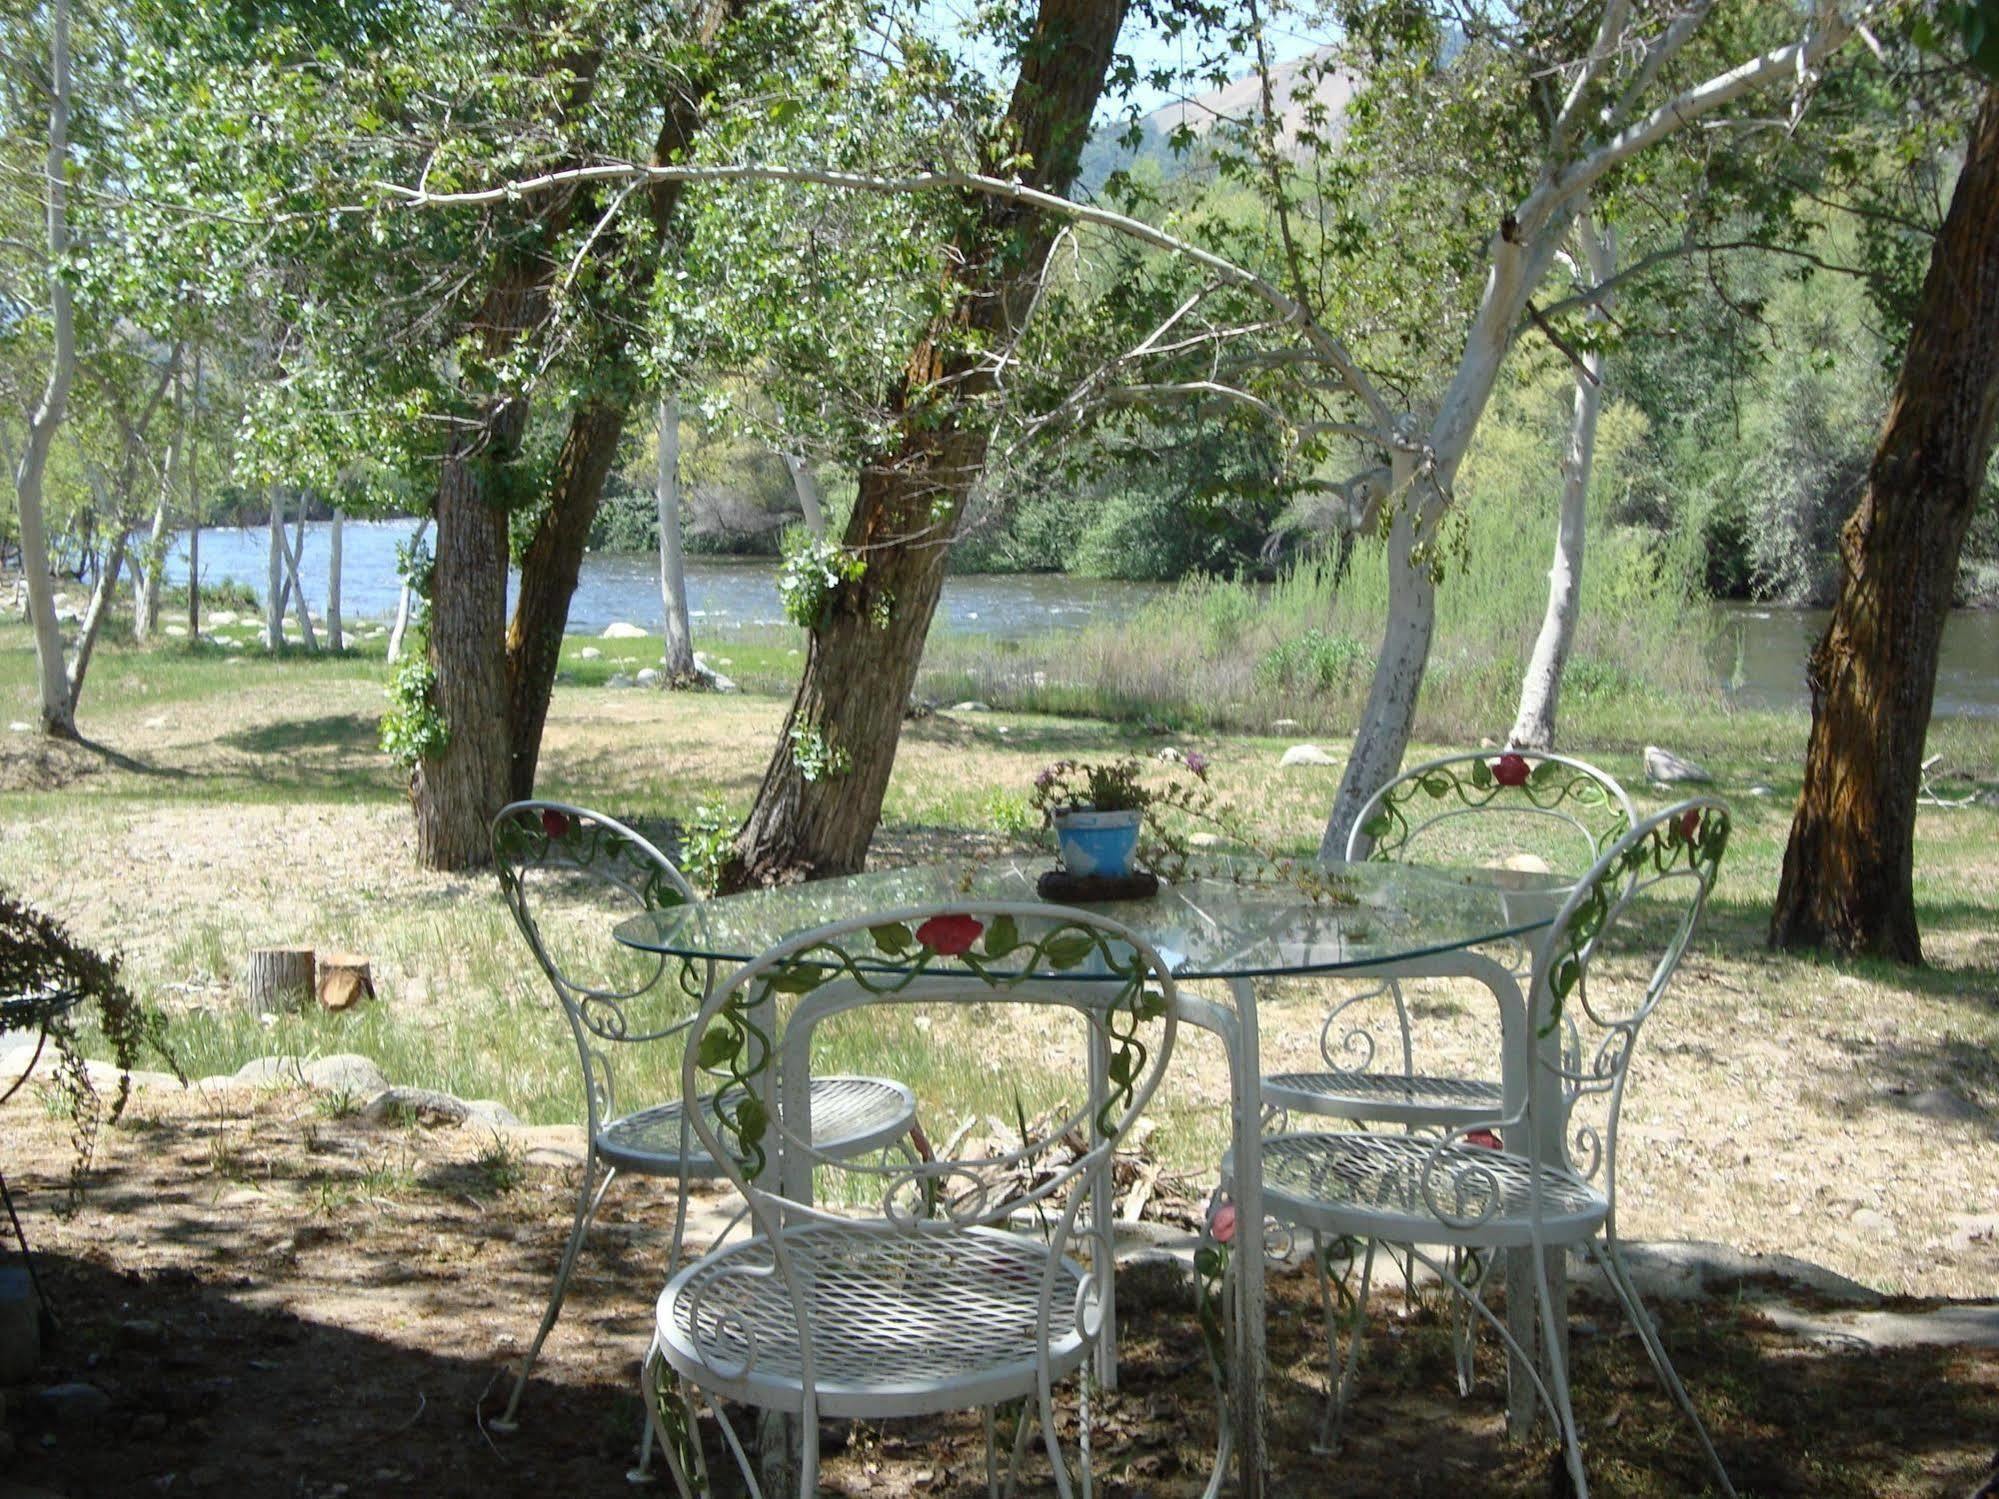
(1241, 100)
(1237, 103)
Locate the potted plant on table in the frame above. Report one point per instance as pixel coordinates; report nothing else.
(1098, 811)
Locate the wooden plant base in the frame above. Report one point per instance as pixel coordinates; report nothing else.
(1089, 889)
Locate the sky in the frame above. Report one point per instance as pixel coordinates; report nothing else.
(1287, 38)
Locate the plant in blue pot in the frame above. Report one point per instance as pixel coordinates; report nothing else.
(1097, 811)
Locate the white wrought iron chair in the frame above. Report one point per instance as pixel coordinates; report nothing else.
(1553, 1186)
(952, 1283)
(564, 872)
(1462, 811)
(1537, 815)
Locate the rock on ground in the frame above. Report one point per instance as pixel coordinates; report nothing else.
(619, 630)
(1668, 769)
(1306, 754)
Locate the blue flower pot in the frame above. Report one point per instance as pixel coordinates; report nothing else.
(1098, 844)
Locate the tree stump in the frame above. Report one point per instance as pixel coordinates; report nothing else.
(343, 980)
(280, 978)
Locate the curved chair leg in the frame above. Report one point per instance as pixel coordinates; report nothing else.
(1485, 1314)
(1340, 1373)
(587, 1202)
(1608, 1255)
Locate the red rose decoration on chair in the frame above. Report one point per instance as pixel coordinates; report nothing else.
(554, 823)
(1510, 770)
(1485, 1139)
(950, 936)
(1690, 823)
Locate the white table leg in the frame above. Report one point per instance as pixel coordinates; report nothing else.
(1253, 1361)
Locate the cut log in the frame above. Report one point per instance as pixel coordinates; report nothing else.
(280, 978)
(343, 980)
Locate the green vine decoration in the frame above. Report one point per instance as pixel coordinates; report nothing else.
(1476, 782)
(1693, 840)
(738, 1048)
(669, 1405)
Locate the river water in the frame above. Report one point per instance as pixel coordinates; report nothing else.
(1759, 649)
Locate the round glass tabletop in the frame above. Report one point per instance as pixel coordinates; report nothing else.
(1217, 925)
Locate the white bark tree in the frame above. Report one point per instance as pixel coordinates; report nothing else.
(811, 502)
(54, 708)
(406, 599)
(1541, 688)
(274, 578)
(151, 561)
(679, 665)
(194, 507)
(335, 638)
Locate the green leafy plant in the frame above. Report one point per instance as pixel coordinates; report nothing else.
(817, 757)
(811, 577)
(706, 841)
(413, 729)
(39, 957)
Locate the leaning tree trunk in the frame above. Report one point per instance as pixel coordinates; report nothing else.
(53, 703)
(821, 795)
(1541, 688)
(549, 569)
(1383, 735)
(554, 556)
(1848, 881)
(93, 620)
(679, 660)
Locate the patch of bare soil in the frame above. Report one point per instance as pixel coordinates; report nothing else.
(279, 1301)
(28, 762)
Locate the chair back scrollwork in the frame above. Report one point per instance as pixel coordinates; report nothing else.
(1471, 808)
(1607, 961)
(567, 875)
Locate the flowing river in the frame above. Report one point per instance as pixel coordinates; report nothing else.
(1759, 649)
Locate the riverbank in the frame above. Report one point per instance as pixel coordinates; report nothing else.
(230, 801)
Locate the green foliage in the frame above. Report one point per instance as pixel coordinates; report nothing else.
(1315, 662)
(707, 842)
(413, 730)
(811, 579)
(817, 757)
(38, 956)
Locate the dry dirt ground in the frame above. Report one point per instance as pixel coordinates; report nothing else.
(281, 1299)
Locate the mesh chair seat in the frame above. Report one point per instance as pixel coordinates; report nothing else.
(1414, 1098)
(1374, 1186)
(901, 1323)
(850, 1117)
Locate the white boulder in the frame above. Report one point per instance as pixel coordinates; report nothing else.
(1306, 754)
(1668, 769)
(617, 629)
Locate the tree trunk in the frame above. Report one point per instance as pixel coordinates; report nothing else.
(679, 663)
(555, 554)
(93, 619)
(1390, 716)
(57, 714)
(1383, 735)
(811, 503)
(405, 600)
(549, 569)
(295, 587)
(335, 637)
(458, 791)
(1541, 688)
(194, 508)
(1848, 881)
(821, 795)
(274, 578)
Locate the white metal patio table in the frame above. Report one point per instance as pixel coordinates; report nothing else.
(1227, 926)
